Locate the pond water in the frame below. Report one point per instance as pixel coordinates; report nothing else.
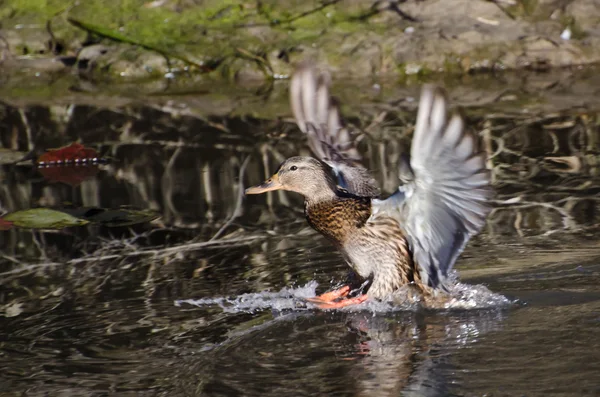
(208, 299)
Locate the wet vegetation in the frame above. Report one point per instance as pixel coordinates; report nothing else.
(90, 309)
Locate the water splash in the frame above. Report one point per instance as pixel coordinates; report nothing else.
(461, 296)
(288, 298)
(466, 296)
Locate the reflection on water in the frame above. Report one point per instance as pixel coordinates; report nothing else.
(358, 354)
(91, 310)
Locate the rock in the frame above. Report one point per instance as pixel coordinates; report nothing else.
(586, 15)
(35, 65)
(122, 60)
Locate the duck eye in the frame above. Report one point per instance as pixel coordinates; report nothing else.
(293, 168)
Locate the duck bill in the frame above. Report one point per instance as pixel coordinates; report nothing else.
(270, 184)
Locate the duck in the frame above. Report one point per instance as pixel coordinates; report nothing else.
(412, 237)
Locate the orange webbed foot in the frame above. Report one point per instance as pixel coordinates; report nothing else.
(331, 295)
(343, 303)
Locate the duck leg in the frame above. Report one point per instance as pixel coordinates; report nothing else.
(331, 295)
(343, 303)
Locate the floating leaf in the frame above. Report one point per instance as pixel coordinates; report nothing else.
(74, 153)
(43, 218)
(113, 217)
(70, 174)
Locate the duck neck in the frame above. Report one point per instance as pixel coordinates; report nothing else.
(320, 191)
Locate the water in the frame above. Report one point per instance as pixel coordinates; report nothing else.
(209, 299)
(464, 296)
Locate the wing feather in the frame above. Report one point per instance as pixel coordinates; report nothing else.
(445, 200)
(317, 115)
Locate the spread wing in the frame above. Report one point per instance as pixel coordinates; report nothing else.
(317, 115)
(444, 199)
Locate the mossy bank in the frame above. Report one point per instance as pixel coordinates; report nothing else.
(263, 39)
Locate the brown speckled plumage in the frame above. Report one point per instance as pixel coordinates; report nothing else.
(344, 221)
(413, 236)
(339, 218)
(383, 241)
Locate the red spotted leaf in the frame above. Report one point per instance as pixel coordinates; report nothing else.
(75, 153)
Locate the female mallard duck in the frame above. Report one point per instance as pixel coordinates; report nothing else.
(413, 236)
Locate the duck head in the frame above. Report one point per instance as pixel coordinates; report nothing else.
(305, 175)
